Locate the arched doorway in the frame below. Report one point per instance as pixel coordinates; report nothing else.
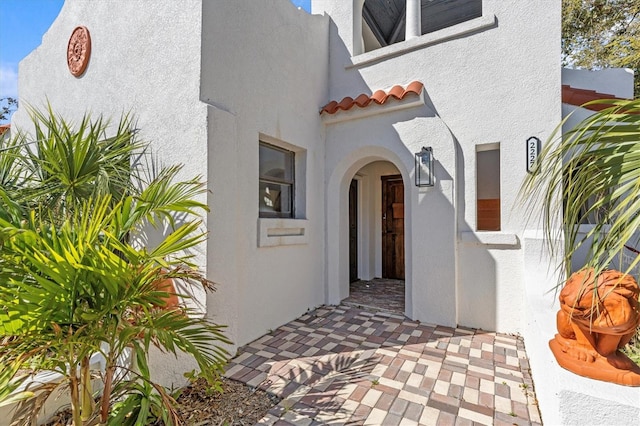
(366, 165)
(376, 238)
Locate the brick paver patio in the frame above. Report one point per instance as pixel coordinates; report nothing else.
(344, 365)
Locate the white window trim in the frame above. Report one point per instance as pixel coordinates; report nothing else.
(477, 24)
(490, 238)
(277, 231)
(273, 232)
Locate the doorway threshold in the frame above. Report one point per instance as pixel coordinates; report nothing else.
(379, 294)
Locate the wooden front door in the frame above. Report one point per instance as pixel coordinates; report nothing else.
(392, 227)
(353, 231)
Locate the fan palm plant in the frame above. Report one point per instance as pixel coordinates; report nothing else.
(65, 164)
(72, 282)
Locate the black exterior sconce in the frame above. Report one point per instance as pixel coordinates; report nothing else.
(424, 167)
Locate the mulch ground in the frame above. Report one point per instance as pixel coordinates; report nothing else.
(237, 405)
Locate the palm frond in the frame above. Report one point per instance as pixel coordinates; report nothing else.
(590, 174)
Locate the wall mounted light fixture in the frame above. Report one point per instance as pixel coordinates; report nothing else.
(424, 167)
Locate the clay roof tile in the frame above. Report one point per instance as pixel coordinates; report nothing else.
(379, 97)
(362, 100)
(397, 92)
(579, 97)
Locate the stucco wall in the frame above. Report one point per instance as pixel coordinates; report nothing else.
(495, 79)
(145, 60)
(612, 81)
(429, 212)
(264, 72)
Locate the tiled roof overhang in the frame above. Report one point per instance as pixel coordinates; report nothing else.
(4, 128)
(379, 97)
(579, 97)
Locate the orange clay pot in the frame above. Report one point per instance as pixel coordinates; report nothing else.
(166, 285)
(595, 320)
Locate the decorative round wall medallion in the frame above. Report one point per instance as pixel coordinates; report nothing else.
(78, 51)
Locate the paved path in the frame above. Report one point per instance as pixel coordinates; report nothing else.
(344, 365)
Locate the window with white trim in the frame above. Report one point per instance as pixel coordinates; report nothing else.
(276, 187)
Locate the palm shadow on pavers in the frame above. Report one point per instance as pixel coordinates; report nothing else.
(344, 365)
(318, 388)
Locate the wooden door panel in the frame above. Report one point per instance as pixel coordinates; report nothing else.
(392, 227)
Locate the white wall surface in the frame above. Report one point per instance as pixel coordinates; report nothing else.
(264, 71)
(134, 68)
(611, 81)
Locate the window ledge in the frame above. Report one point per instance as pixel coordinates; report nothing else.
(273, 232)
(490, 238)
(445, 34)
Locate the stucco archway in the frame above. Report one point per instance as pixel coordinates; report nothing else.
(337, 286)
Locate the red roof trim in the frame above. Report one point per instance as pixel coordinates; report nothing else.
(579, 97)
(379, 97)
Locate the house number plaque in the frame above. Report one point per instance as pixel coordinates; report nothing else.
(533, 150)
(78, 51)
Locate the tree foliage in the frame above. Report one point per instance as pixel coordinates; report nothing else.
(7, 106)
(602, 33)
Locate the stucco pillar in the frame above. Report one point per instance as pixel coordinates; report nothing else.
(358, 41)
(413, 19)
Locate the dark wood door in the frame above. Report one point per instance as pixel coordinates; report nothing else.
(392, 227)
(353, 231)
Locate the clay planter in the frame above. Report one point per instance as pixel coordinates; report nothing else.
(595, 320)
(166, 285)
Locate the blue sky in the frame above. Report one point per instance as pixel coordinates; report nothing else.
(22, 25)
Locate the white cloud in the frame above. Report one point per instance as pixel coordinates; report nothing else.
(8, 81)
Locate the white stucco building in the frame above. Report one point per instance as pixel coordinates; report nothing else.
(242, 93)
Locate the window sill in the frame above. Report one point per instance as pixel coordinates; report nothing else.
(274, 232)
(490, 238)
(425, 40)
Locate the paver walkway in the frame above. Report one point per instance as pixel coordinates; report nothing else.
(379, 293)
(344, 365)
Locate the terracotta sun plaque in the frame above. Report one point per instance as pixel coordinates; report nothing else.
(78, 51)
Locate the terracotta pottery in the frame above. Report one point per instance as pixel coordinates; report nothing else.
(79, 51)
(166, 285)
(595, 320)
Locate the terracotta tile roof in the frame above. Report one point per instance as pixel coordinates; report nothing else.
(578, 97)
(379, 97)
(4, 128)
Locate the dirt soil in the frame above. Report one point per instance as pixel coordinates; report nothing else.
(238, 405)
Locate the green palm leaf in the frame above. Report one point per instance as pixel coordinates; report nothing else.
(591, 174)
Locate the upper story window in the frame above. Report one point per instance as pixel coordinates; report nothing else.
(384, 22)
(276, 181)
